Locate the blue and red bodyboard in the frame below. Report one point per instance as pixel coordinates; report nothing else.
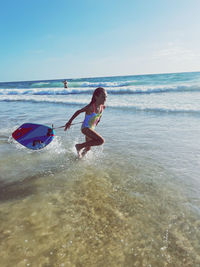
(34, 136)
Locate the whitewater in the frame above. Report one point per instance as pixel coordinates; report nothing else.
(179, 92)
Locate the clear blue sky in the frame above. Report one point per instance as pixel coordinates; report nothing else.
(48, 39)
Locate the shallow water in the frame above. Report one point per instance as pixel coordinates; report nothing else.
(132, 202)
(92, 216)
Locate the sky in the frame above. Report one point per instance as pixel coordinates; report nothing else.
(48, 39)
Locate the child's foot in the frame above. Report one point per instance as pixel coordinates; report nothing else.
(85, 150)
(78, 149)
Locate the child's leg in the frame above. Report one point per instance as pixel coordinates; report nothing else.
(94, 139)
(86, 149)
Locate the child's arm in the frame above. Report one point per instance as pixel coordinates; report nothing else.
(68, 124)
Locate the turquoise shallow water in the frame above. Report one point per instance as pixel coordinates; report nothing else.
(133, 202)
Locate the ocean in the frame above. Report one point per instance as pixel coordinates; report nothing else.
(132, 202)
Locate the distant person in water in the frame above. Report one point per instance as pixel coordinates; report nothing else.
(93, 112)
(65, 84)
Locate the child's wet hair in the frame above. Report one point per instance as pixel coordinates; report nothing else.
(97, 92)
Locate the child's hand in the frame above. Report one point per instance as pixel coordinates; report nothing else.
(67, 126)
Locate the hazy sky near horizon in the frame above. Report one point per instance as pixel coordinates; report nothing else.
(46, 39)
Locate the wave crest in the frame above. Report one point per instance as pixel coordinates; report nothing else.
(110, 90)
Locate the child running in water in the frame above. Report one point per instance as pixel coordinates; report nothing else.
(93, 112)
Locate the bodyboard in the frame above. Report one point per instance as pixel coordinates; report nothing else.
(34, 136)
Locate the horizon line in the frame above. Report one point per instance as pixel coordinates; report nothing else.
(93, 77)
